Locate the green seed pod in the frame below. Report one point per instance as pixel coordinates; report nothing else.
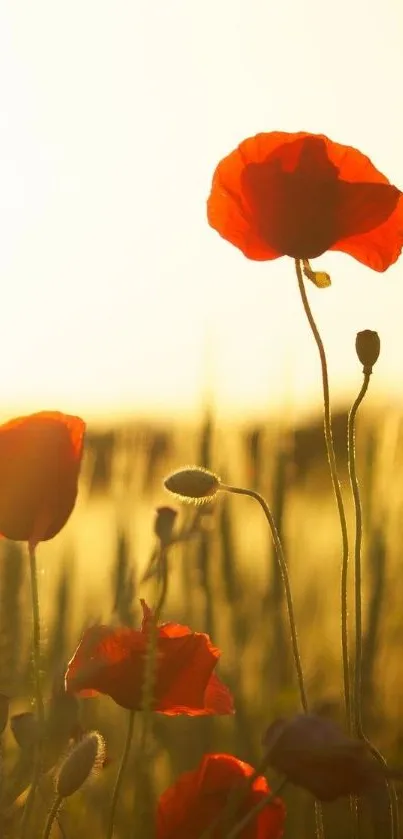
(193, 485)
(368, 347)
(83, 759)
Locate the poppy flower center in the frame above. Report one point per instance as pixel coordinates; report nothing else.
(294, 195)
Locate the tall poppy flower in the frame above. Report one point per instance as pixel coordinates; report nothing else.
(198, 798)
(299, 195)
(40, 458)
(111, 660)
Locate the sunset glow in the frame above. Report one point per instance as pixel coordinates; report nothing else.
(117, 295)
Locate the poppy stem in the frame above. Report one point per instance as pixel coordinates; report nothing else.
(286, 581)
(147, 697)
(52, 817)
(264, 802)
(336, 488)
(38, 690)
(357, 693)
(119, 777)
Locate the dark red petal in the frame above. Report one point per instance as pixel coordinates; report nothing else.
(184, 671)
(218, 698)
(379, 248)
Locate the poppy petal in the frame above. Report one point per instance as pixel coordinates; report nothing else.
(302, 194)
(40, 458)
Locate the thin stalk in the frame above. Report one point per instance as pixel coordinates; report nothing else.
(264, 802)
(148, 690)
(119, 777)
(357, 693)
(286, 581)
(38, 691)
(52, 817)
(336, 488)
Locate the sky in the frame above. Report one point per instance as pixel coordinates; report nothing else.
(117, 297)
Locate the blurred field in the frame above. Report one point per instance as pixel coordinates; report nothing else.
(223, 581)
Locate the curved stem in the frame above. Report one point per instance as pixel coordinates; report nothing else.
(357, 694)
(38, 690)
(336, 488)
(119, 777)
(284, 573)
(51, 817)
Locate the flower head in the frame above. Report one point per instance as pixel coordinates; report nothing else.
(40, 458)
(368, 347)
(111, 660)
(197, 798)
(194, 484)
(300, 195)
(313, 752)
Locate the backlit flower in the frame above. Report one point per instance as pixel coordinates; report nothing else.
(313, 752)
(111, 660)
(198, 798)
(300, 195)
(40, 458)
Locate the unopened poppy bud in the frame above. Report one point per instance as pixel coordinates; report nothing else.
(25, 729)
(164, 523)
(368, 347)
(194, 485)
(86, 757)
(4, 709)
(314, 753)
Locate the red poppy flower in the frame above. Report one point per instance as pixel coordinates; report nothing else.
(40, 457)
(300, 195)
(111, 660)
(197, 798)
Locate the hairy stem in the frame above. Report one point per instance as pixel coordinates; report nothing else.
(284, 573)
(38, 692)
(336, 488)
(119, 777)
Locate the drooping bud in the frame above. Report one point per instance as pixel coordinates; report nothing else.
(84, 758)
(4, 709)
(194, 485)
(368, 347)
(25, 729)
(314, 753)
(164, 524)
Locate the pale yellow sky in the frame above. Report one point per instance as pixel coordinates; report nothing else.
(117, 296)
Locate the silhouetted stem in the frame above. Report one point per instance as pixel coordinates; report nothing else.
(38, 691)
(356, 696)
(284, 573)
(264, 802)
(147, 698)
(122, 767)
(336, 488)
(357, 693)
(51, 818)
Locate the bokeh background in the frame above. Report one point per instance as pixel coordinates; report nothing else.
(121, 305)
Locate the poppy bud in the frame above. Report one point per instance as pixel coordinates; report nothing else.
(25, 730)
(194, 485)
(164, 523)
(4, 708)
(368, 347)
(314, 753)
(86, 757)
